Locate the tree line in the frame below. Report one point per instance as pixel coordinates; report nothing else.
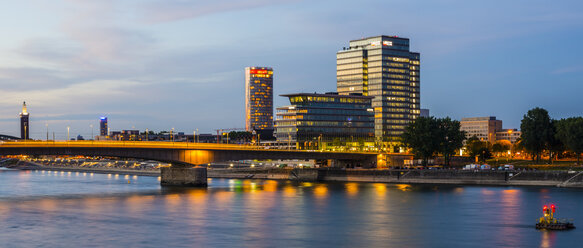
(541, 134)
(429, 136)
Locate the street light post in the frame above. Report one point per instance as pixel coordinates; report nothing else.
(91, 125)
(68, 137)
(47, 125)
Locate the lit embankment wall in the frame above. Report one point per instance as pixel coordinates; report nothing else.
(533, 178)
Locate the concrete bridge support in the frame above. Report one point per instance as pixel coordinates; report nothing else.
(183, 176)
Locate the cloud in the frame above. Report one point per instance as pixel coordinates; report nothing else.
(27, 78)
(174, 10)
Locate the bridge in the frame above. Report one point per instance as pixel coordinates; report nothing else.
(181, 155)
(8, 137)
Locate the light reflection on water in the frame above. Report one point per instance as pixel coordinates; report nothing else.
(44, 208)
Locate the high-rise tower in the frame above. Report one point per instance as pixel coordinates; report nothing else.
(24, 124)
(382, 67)
(103, 126)
(259, 99)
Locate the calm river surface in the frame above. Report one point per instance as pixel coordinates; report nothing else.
(69, 209)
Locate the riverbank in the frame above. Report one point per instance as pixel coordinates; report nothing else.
(572, 179)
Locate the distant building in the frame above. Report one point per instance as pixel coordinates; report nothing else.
(103, 126)
(424, 113)
(511, 135)
(130, 134)
(320, 121)
(384, 68)
(24, 123)
(488, 129)
(259, 99)
(484, 128)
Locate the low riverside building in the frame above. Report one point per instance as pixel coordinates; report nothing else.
(488, 129)
(511, 135)
(484, 128)
(326, 122)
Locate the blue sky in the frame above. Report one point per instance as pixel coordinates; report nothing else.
(162, 64)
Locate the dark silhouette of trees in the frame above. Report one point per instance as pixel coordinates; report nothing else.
(570, 133)
(428, 136)
(536, 130)
(477, 148)
(451, 138)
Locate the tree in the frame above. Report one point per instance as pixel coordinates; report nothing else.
(536, 131)
(570, 132)
(477, 148)
(501, 146)
(554, 145)
(451, 138)
(240, 136)
(422, 137)
(483, 154)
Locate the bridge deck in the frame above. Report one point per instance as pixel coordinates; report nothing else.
(155, 144)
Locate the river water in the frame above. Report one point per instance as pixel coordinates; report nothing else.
(70, 209)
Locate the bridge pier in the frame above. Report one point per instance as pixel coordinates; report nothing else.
(183, 176)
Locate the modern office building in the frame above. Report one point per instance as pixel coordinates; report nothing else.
(326, 121)
(103, 126)
(484, 128)
(384, 68)
(259, 99)
(24, 123)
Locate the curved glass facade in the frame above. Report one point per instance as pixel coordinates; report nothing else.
(321, 121)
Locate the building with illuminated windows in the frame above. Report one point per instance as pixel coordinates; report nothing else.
(511, 135)
(103, 126)
(259, 100)
(326, 121)
(484, 128)
(384, 68)
(24, 124)
(488, 129)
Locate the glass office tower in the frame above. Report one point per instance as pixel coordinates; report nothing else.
(326, 121)
(384, 68)
(259, 98)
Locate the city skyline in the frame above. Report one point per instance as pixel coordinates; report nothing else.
(156, 65)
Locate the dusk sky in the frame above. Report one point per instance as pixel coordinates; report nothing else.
(180, 64)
